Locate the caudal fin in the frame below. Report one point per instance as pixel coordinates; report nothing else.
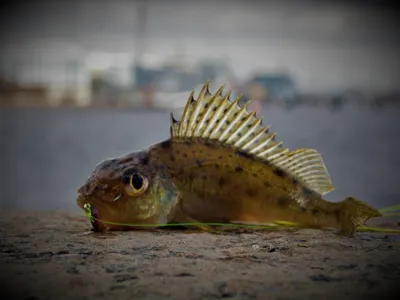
(354, 213)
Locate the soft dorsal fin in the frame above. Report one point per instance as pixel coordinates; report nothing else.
(215, 117)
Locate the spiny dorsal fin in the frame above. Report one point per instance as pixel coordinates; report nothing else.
(215, 117)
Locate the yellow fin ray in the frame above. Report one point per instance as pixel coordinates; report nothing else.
(212, 103)
(216, 117)
(307, 165)
(220, 105)
(174, 125)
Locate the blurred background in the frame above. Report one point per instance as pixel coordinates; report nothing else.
(83, 81)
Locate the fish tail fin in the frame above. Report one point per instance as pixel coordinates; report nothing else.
(354, 213)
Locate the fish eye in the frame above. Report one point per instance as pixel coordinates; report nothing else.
(135, 184)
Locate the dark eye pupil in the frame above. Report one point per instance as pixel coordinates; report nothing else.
(137, 181)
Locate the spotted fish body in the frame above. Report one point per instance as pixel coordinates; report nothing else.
(228, 167)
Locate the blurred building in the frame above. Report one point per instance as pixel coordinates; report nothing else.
(272, 86)
(57, 68)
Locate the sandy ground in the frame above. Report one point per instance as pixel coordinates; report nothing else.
(53, 255)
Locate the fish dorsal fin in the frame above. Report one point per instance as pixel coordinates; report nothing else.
(215, 117)
(308, 166)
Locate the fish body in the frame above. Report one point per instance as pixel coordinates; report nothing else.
(220, 164)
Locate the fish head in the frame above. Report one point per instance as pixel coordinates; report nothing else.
(128, 190)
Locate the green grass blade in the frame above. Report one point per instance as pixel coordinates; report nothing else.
(378, 229)
(390, 209)
(392, 214)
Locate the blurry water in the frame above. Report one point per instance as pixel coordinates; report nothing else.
(47, 154)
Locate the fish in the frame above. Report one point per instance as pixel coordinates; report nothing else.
(219, 164)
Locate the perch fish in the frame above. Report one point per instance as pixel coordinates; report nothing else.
(220, 164)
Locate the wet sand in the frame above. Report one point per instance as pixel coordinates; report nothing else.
(53, 255)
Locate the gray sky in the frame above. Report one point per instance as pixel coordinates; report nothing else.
(326, 44)
(297, 20)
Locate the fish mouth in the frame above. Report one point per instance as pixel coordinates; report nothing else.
(92, 212)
